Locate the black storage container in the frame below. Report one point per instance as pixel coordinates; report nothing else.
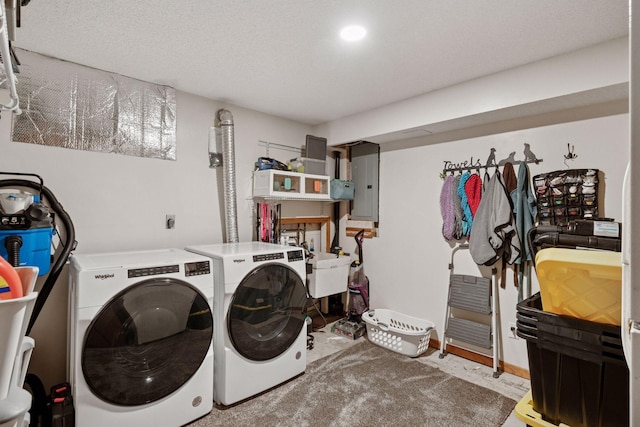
(579, 375)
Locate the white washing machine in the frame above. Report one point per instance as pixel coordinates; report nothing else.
(259, 338)
(140, 338)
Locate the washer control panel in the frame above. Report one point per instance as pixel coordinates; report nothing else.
(190, 269)
(153, 271)
(297, 255)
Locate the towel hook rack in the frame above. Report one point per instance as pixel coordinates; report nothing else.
(468, 165)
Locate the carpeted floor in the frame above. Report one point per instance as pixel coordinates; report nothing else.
(366, 385)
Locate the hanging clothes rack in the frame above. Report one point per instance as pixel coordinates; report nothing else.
(269, 145)
(451, 168)
(7, 77)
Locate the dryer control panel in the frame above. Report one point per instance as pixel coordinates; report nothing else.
(268, 257)
(197, 268)
(297, 255)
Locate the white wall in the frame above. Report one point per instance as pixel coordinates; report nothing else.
(118, 203)
(408, 263)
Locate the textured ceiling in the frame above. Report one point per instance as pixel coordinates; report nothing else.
(284, 57)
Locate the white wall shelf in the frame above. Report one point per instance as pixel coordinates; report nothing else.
(284, 185)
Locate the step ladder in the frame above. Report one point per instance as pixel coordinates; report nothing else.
(472, 294)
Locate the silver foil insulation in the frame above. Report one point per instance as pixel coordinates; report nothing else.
(72, 106)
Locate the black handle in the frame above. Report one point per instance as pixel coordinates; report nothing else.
(27, 174)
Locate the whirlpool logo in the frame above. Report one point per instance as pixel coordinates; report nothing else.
(104, 276)
(239, 260)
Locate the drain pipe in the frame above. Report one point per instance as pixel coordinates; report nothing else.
(224, 120)
(335, 244)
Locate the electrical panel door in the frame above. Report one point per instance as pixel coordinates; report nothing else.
(365, 163)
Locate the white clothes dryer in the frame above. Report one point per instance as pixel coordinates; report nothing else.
(140, 338)
(259, 321)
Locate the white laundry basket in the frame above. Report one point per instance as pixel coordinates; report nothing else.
(398, 332)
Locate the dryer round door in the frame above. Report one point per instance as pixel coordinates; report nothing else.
(147, 342)
(266, 312)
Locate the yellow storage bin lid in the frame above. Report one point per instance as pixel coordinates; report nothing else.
(524, 412)
(585, 284)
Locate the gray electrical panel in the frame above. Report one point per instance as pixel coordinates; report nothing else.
(365, 164)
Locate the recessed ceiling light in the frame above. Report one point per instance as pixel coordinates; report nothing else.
(353, 33)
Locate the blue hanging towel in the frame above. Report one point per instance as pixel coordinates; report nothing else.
(467, 216)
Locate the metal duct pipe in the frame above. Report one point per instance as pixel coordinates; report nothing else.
(224, 120)
(335, 244)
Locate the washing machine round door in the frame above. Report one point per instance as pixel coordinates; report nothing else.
(147, 342)
(266, 312)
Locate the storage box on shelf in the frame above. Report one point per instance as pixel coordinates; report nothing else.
(276, 184)
(308, 165)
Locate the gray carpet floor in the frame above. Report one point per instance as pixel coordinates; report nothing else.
(366, 385)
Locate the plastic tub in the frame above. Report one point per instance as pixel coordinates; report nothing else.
(581, 283)
(578, 371)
